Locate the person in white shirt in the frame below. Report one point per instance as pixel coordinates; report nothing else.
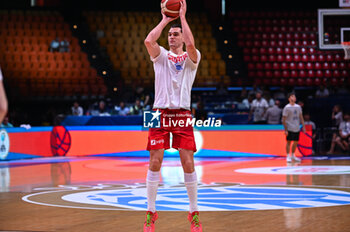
(175, 71)
(342, 139)
(292, 117)
(3, 99)
(274, 113)
(77, 110)
(258, 109)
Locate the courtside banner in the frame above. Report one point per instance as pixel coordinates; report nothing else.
(131, 141)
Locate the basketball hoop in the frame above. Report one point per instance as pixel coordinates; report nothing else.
(346, 47)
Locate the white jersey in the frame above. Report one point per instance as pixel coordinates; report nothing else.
(292, 114)
(174, 76)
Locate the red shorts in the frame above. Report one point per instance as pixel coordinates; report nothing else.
(174, 121)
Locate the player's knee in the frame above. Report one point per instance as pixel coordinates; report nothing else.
(188, 165)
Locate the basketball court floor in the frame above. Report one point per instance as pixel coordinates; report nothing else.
(235, 194)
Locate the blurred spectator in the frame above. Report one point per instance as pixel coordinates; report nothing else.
(269, 99)
(64, 45)
(301, 104)
(247, 102)
(77, 110)
(5, 123)
(221, 90)
(280, 94)
(307, 121)
(254, 90)
(343, 137)
(122, 109)
(337, 115)
(274, 113)
(55, 45)
(102, 109)
(258, 109)
(322, 92)
(244, 94)
(144, 97)
(137, 108)
(199, 112)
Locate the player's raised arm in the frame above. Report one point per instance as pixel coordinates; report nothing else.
(151, 39)
(187, 34)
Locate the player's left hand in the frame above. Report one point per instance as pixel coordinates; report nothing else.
(304, 129)
(183, 8)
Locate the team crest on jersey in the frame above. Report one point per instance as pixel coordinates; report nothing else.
(178, 67)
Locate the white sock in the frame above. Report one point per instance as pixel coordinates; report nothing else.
(152, 182)
(288, 154)
(292, 154)
(191, 183)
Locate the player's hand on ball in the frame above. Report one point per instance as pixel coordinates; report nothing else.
(183, 8)
(168, 19)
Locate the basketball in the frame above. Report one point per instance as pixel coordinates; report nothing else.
(60, 141)
(171, 8)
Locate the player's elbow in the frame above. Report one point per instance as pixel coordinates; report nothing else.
(147, 42)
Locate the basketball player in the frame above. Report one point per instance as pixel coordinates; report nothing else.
(292, 117)
(175, 72)
(3, 99)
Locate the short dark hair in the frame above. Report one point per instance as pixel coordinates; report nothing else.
(176, 25)
(290, 94)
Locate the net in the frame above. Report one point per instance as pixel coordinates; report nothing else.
(346, 47)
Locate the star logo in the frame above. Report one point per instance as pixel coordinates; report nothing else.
(156, 115)
(151, 119)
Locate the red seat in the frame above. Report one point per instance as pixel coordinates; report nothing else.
(267, 65)
(302, 74)
(343, 66)
(296, 58)
(345, 74)
(329, 57)
(336, 73)
(311, 73)
(321, 58)
(279, 51)
(334, 65)
(268, 74)
(317, 65)
(309, 65)
(263, 50)
(280, 58)
(319, 74)
(308, 82)
(328, 73)
(325, 65)
(294, 74)
(284, 65)
(285, 74)
(334, 82)
(288, 58)
(337, 57)
(292, 65)
(287, 50)
(272, 58)
(303, 51)
(313, 58)
(301, 65)
(276, 65)
(277, 74)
